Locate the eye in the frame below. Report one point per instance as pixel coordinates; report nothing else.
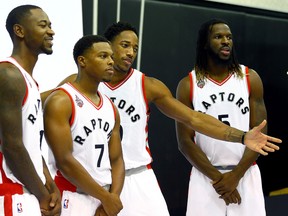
(124, 45)
(103, 56)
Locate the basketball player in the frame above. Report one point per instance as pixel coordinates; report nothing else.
(82, 129)
(25, 182)
(132, 92)
(225, 179)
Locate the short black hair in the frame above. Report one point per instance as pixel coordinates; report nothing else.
(86, 43)
(116, 28)
(17, 15)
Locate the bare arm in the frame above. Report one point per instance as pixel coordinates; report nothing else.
(116, 158)
(12, 92)
(45, 94)
(57, 113)
(55, 196)
(185, 137)
(257, 112)
(160, 95)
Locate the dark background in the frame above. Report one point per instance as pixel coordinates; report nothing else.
(168, 53)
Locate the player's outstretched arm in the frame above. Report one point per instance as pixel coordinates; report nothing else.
(159, 94)
(259, 142)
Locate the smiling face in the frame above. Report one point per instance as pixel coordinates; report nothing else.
(220, 43)
(38, 34)
(125, 48)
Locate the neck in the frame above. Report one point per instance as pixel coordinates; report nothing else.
(25, 59)
(118, 77)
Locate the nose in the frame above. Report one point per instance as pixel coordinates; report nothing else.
(130, 52)
(225, 40)
(110, 61)
(51, 32)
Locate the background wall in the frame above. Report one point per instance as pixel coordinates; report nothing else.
(168, 53)
(68, 28)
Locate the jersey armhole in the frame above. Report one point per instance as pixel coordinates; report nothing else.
(144, 93)
(191, 87)
(71, 121)
(247, 75)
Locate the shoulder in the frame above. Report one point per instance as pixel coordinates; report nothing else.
(253, 76)
(57, 100)
(11, 79)
(184, 82)
(155, 89)
(183, 90)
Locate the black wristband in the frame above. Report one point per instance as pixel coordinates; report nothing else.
(242, 139)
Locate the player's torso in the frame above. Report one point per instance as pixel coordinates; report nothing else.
(129, 98)
(91, 128)
(227, 101)
(32, 122)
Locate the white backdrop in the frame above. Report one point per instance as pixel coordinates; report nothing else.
(66, 18)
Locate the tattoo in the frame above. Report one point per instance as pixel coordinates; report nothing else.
(233, 135)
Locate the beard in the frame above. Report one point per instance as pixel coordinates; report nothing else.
(217, 60)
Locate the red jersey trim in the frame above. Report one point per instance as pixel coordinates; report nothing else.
(63, 184)
(88, 99)
(131, 71)
(222, 82)
(248, 79)
(191, 87)
(72, 104)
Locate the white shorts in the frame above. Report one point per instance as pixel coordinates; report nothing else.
(141, 194)
(19, 205)
(76, 204)
(203, 199)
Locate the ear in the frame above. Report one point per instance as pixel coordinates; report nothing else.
(18, 30)
(81, 61)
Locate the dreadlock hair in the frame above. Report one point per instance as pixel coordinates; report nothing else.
(201, 54)
(116, 28)
(85, 43)
(17, 15)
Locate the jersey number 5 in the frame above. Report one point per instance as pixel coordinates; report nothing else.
(223, 117)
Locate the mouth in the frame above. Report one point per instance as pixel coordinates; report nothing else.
(49, 40)
(127, 61)
(225, 50)
(110, 71)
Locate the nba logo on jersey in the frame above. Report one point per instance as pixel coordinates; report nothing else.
(65, 205)
(19, 208)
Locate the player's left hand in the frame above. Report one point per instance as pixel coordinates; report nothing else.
(259, 142)
(100, 211)
(55, 204)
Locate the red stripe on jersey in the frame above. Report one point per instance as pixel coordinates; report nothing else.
(247, 78)
(63, 184)
(191, 87)
(72, 104)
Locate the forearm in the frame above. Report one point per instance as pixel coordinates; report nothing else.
(74, 172)
(50, 184)
(199, 160)
(19, 162)
(247, 160)
(118, 175)
(214, 128)
(198, 121)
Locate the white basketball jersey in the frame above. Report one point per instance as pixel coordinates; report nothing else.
(91, 128)
(227, 101)
(129, 97)
(32, 124)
